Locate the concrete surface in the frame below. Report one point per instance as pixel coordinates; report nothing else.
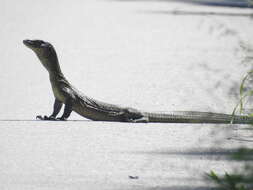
(152, 55)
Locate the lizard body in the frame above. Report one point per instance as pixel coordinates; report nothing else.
(87, 107)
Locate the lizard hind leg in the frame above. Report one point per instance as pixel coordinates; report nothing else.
(133, 115)
(143, 119)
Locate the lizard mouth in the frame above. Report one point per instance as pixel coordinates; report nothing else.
(33, 43)
(28, 43)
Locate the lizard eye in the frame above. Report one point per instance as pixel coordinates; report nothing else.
(43, 45)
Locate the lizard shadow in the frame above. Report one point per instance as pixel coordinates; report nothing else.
(182, 188)
(200, 153)
(214, 3)
(199, 13)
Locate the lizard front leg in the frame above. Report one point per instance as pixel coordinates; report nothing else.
(67, 110)
(57, 108)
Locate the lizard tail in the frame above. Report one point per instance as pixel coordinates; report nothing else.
(197, 117)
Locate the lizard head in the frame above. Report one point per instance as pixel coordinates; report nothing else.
(38, 46)
(45, 52)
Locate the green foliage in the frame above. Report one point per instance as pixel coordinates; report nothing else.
(246, 87)
(242, 179)
(228, 182)
(231, 181)
(244, 93)
(238, 180)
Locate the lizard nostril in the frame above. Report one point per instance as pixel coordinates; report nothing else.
(26, 42)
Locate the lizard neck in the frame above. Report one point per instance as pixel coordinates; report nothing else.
(57, 77)
(49, 60)
(51, 63)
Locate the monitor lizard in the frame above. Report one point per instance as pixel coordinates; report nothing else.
(90, 108)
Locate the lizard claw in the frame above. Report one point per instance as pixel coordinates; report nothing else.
(39, 117)
(50, 118)
(61, 119)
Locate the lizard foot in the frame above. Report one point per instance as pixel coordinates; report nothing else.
(50, 118)
(140, 120)
(61, 119)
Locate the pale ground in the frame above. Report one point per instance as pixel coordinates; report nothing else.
(137, 54)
